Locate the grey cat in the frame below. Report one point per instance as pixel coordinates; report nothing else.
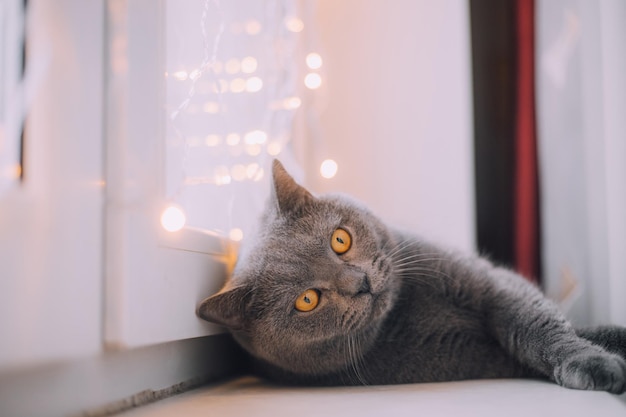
(329, 295)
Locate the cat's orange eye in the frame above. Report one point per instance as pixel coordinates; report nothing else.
(341, 241)
(308, 300)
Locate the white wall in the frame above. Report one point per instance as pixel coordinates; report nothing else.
(397, 113)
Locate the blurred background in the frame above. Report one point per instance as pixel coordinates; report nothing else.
(136, 138)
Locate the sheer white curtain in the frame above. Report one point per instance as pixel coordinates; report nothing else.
(581, 76)
(235, 80)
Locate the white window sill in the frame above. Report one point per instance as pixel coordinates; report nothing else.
(484, 398)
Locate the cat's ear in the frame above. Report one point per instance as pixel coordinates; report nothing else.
(290, 198)
(226, 307)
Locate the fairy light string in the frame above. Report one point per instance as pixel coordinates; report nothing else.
(233, 89)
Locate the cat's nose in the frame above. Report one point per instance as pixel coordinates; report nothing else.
(365, 286)
(353, 282)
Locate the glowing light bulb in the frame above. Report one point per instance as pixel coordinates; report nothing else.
(17, 171)
(233, 139)
(254, 84)
(173, 219)
(294, 24)
(314, 60)
(237, 85)
(238, 172)
(274, 148)
(180, 75)
(12, 172)
(222, 175)
(313, 80)
(329, 168)
(253, 27)
(217, 67)
(292, 103)
(211, 107)
(248, 65)
(255, 137)
(233, 66)
(236, 234)
(253, 150)
(252, 170)
(212, 140)
(195, 74)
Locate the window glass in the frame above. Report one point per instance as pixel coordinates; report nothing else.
(233, 77)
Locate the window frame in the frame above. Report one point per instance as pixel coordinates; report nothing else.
(154, 278)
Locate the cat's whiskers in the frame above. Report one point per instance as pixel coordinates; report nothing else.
(437, 273)
(348, 357)
(400, 247)
(412, 258)
(352, 351)
(361, 359)
(418, 259)
(355, 360)
(423, 257)
(416, 268)
(351, 358)
(419, 268)
(413, 279)
(420, 262)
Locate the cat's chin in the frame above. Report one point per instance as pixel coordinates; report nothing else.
(363, 319)
(381, 304)
(385, 298)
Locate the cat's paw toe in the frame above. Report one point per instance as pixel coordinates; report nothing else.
(600, 372)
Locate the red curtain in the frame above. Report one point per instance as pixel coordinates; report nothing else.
(526, 193)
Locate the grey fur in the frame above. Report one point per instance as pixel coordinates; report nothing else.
(395, 308)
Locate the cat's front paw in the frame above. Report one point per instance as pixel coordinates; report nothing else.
(597, 371)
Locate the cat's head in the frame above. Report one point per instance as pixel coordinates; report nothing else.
(315, 284)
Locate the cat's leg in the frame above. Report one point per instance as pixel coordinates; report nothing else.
(612, 338)
(531, 328)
